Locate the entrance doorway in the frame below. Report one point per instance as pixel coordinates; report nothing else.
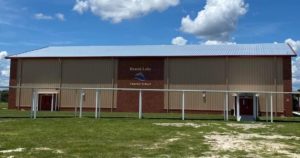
(246, 105)
(47, 102)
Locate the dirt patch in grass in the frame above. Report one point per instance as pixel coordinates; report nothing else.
(260, 145)
(49, 149)
(194, 125)
(247, 126)
(12, 150)
(2, 121)
(35, 149)
(162, 143)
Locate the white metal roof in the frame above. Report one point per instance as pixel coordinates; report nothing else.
(280, 49)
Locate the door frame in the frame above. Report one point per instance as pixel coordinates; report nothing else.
(238, 108)
(54, 100)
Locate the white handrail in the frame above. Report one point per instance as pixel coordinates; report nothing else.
(153, 90)
(97, 113)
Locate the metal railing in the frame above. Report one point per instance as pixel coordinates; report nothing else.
(98, 91)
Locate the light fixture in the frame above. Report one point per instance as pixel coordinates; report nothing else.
(204, 97)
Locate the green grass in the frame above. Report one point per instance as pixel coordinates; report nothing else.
(127, 136)
(3, 105)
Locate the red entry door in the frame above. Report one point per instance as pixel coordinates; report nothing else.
(45, 101)
(246, 105)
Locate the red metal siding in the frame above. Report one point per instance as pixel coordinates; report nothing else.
(12, 82)
(287, 85)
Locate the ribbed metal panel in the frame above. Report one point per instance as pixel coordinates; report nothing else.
(40, 73)
(26, 97)
(196, 73)
(257, 74)
(93, 73)
(243, 73)
(36, 73)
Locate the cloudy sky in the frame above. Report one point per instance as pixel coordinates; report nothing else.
(32, 24)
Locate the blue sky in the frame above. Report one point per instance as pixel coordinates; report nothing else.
(31, 24)
(265, 21)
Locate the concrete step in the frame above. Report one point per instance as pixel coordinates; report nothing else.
(247, 118)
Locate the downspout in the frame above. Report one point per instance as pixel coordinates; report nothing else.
(276, 88)
(60, 81)
(227, 82)
(113, 83)
(227, 73)
(20, 82)
(168, 84)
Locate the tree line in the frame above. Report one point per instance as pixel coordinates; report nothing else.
(3, 95)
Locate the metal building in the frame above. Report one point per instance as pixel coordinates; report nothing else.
(238, 67)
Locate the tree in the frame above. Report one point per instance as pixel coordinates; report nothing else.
(296, 100)
(4, 96)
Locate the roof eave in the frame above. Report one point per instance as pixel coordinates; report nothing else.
(295, 53)
(31, 57)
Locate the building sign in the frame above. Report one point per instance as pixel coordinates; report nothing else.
(140, 73)
(139, 76)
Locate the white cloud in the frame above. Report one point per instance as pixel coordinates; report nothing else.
(216, 21)
(41, 16)
(60, 16)
(294, 44)
(4, 69)
(3, 54)
(81, 6)
(5, 72)
(119, 10)
(295, 63)
(296, 73)
(179, 41)
(211, 42)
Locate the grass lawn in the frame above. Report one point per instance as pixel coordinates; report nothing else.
(130, 137)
